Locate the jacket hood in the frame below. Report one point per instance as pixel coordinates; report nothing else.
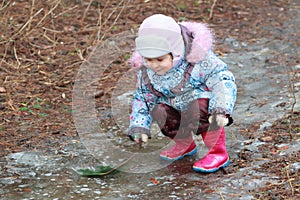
(202, 43)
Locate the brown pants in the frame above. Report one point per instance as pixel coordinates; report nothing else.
(181, 124)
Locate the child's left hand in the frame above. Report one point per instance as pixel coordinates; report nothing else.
(139, 138)
(220, 119)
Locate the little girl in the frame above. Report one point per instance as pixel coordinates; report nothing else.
(184, 87)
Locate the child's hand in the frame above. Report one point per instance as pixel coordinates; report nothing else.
(219, 119)
(139, 138)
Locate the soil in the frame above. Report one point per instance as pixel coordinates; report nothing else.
(44, 43)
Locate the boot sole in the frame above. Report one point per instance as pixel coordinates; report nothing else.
(197, 169)
(179, 157)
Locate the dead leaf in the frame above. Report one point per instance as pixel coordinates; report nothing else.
(156, 182)
(209, 191)
(27, 190)
(282, 148)
(2, 90)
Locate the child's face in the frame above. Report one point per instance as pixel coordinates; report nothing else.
(161, 64)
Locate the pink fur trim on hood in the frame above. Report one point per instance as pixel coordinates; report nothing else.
(202, 43)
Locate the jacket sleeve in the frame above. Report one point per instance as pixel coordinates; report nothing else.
(143, 102)
(223, 92)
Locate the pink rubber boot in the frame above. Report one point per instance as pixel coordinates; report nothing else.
(183, 147)
(217, 156)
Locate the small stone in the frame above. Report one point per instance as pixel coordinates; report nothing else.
(266, 139)
(84, 189)
(97, 192)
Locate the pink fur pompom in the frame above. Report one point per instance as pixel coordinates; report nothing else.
(136, 60)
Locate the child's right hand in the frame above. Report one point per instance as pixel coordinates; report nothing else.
(219, 119)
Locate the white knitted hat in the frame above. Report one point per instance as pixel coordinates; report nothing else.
(159, 35)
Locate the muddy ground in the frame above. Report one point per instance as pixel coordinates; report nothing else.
(43, 46)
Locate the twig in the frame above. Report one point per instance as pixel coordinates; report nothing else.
(51, 30)
(49, 39)
(99, 22)
(49, 12)
(212, 9)
(11, 65)
(118, 16)
(221, 195)
(5, 53)
(16, 56)
(79, 53)
(11, 104)
(4, 6)
(289, 180)
(292, 91)
(85, 11)
(4, 69)
(31, 13)
(62, 13)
